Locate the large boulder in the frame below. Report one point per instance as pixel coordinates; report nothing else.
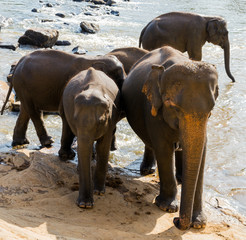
(40, 37)
(4, 87)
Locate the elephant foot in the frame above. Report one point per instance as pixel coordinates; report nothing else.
(170, 206)
(99, 192)
(146, 169)
(199, 220)
(20, 141)
(179, 178)
(66, 154)
(46, 141)
(181, 224)
(85, 204)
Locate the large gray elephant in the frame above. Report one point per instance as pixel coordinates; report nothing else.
(39, 79)
(128, 56)
(187, 32)
(90, 110)
(168, 99)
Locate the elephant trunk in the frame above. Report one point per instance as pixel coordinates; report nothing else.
(226, 48)
(193, 135)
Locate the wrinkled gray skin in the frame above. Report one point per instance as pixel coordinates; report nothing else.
(167, 99)
(128, 56)
(187, 32)
(39, 79)
(90, 110)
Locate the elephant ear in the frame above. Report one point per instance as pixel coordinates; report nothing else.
(216, 27)
(151, 88)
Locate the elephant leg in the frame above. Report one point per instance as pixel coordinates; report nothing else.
(102, 149)
(67, 137)
(19, 136)
(178, 164)
(194, 52)
(148, 162)
(166, 200)
(113, 142)
(199, 218)
(37, 119)
(85, 198)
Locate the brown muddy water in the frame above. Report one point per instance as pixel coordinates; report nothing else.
(225, 171)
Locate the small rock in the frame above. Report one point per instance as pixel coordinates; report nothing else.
(62, 43)
(8, 46)
(48, 5)
(46, 20)
(89, 27)
(88, 13)
(110, 2)
(99, 2)
(116, 13)
(79, 51)
(35, 10)
(61, 15)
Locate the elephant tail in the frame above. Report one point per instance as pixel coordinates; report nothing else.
(142, 33)
(7, 97)
(141, 36)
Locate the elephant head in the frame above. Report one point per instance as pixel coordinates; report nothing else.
(184, 96)
(218, 35)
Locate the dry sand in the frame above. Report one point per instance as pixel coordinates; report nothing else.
(38, 194)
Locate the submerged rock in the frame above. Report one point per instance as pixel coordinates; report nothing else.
(39, 37)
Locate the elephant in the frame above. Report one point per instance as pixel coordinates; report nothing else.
(128, 56)
(187, 32)
(90, 109)
(39, 79)
(167, 99)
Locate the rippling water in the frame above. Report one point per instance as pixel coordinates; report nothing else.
(225, 172)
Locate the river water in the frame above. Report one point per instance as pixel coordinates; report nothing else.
(225, 171)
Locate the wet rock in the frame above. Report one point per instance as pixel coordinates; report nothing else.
(48, 5)
(116, 13)
(8, 46)
(79, 51)
(94, 6)
(46, 20)
(88, 13)
(89, 27)
(110, 2)
(4, 87)
(61, 15)
(35, 10)
(62, 43)
(99, 2)
(39, 37)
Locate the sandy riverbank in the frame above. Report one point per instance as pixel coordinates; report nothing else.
(38, 194)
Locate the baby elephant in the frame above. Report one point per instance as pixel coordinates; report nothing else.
(90, 109)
